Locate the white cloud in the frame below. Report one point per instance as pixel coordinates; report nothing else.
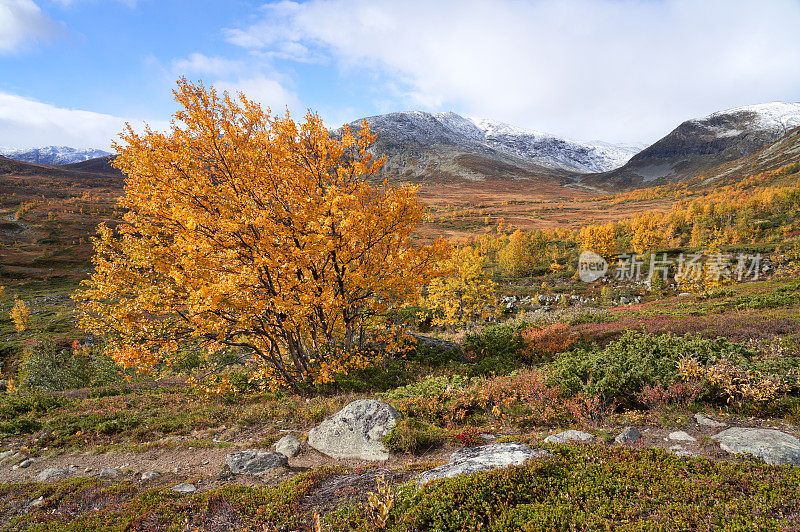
(25, 122)
(620, 70)
(22, 24)
(198, 63)
(266, 91)
(253, 76)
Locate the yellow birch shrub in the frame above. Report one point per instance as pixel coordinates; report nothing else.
(464, 292)
(599, 239)
(245, 230)
(20, 315)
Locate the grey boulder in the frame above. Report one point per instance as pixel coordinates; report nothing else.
(288, 446)
(356, 431)
(184, 488)
(109, 472)
(52, 472)
(630, 434)
(254, 461)
(150, 475)
(772, 446)
(680, 435)
(483, 458)
(568, 436)
(704, 421)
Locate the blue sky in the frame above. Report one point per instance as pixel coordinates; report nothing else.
(72, 71)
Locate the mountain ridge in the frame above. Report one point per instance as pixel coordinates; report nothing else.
(699, 145)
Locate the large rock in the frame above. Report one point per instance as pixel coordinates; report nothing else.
(356, 431)
(483, 458)
(289, 446)
(254, 461)
(436, 343)
(568, 436)
(52, 472)
(630, 434)
(771, 446)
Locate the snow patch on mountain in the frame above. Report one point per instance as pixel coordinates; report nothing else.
(555, 152)
(53, 155)
(777, 117)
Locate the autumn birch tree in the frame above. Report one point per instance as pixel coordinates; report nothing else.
(247, 230)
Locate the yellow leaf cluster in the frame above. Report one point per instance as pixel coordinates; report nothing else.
(20, 315)
(464, 291)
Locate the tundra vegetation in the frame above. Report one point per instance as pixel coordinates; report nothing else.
(255, 277)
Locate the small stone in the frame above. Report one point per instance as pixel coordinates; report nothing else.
(684, 294)
(88, 470)
(184, 488)
(52, 472)
(704, 421)
(255, 461)
(14, 467)
(177, 469)
(569, 435)
(35, 503)
(289, 446)
(629, 434)
(108, 472)
(680, 435)
(26, 463)
(150, 475)
(6, 454)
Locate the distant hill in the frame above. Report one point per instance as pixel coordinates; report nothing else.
(785, 151)
(28, 179)
(449, 146)
(699, 145)
(54, 155)
(100, 165)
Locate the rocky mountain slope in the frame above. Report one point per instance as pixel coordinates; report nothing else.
(53, 155)
(699, 145)
(447, 145)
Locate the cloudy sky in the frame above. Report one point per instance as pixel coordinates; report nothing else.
(73, 71)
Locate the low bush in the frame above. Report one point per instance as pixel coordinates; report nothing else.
(523, 398)
(543, 344)
(51, 366)
(412, 436)
(502, 341)
(621, 370)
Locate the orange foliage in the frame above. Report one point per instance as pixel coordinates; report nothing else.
(249, 232)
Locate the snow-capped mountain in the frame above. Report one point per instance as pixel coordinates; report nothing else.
(700, 144)
(556, 152)
(421, 144)
(53, 155)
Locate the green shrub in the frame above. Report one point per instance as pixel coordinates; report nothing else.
(412, 436)
(50, 366)
(496, 349)
(390, 374)
(432, 387)
(622, 369)
(433, 356)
